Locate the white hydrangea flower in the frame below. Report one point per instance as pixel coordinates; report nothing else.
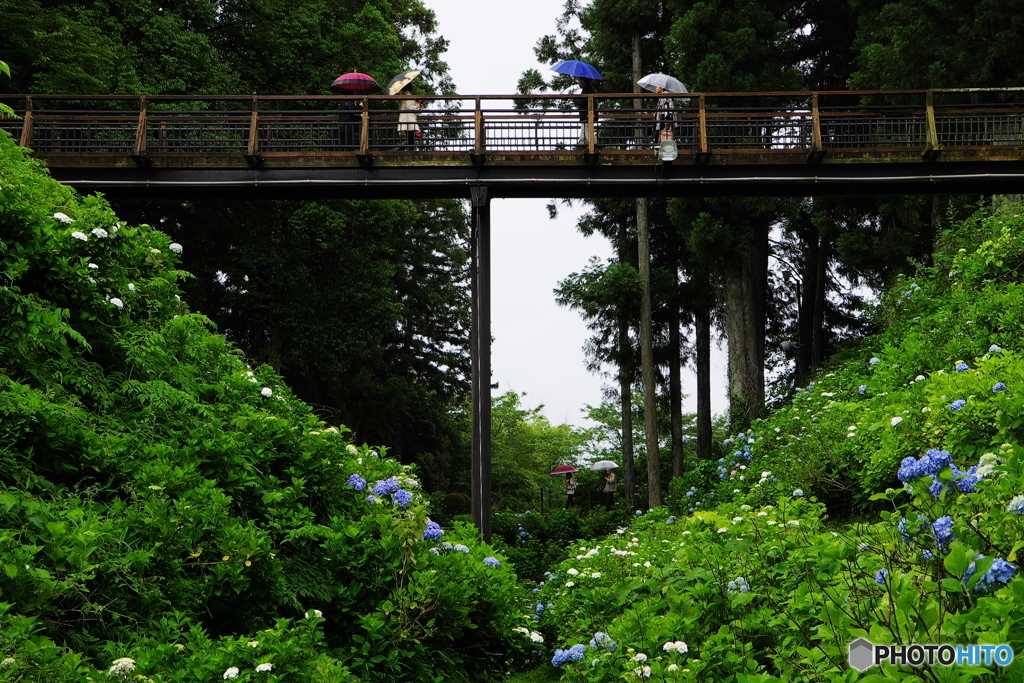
(570, 584)
(100, 232)
(642, 671)
(639, 657)
(63, 217)
(120, 667)
(175, 247)
(314, 613)
(265, 666)
(131, 286)
(254, 643)
(595, 575)
(572, 572)
(80, 236)
(117, 302)
(230, 673)
(536, 637)
(677, 646)
(94, 266)
(895, 421)
(267, 391)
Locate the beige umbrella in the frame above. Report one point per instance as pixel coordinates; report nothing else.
(401, 80)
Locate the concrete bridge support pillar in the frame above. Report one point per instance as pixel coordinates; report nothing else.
(480, 350)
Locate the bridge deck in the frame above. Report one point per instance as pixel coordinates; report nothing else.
(530, 145)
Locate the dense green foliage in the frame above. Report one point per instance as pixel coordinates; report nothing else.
(762, 573)
(361, 306)
(163, 502)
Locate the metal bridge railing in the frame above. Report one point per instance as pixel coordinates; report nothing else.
(702, 123)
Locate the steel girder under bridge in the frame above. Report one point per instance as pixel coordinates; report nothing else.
(481, 147)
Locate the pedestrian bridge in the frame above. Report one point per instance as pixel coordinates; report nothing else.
(796, 143)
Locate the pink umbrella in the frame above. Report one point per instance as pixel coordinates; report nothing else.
(564, 469)
(355, 83)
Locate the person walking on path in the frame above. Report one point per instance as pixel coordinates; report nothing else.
(609, 489)
(570, 490)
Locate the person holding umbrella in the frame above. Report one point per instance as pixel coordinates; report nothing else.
(570, 483)
(586, 77)
(408, 119)
(665, 117)
(352, 83)
(609, 481)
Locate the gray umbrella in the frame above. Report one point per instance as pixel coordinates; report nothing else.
(652, 81)
(603, 465)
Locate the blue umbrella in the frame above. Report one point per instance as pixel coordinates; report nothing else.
(574, 67)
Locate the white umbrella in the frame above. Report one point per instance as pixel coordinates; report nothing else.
(603, 465)
(652, 81)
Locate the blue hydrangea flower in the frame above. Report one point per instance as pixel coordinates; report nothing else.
(356, 482)
(874, 361)
(371, 499)
(639, 512)
(385, 487)
(863, 389)
(961, 367)
(997, 576)
(957, 405)
(729, 442)
(576, 653)
(931, 463)
(402, 498)
(603, 641)
(995, 349)
(927, 554)
(936, 488)
(737, 585)
(998, 386)
(943, 528)
(965, 481)
(798, 493)
(433, 532)
(671, 520)
(1016, 505)
(492, 562)
(880, 576)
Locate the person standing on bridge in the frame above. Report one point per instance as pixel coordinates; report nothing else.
(408, 119)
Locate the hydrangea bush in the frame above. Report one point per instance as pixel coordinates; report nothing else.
(885, 502)
(168, 513)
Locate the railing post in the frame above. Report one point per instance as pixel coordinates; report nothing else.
(817, 148)
(363, 155)
(478, 134)
(252, 153)
(702, 122)
(931, 147)
(26, 126)
(139, 153)
(591, 125)
(364, 130)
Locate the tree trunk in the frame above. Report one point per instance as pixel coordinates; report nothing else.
(703, 324)
(626, 393)
(745, 284)
(675, 391)
(647, 357)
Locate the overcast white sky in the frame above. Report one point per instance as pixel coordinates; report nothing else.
(538, 346)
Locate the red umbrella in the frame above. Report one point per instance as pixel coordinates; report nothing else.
(563, 469)
(355, 83)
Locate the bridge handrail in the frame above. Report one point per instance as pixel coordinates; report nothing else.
(765, 122)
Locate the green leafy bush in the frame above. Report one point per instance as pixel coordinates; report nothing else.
(168, 513)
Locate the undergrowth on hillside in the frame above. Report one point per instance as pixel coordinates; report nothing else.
(885, 503)
(168, 513)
